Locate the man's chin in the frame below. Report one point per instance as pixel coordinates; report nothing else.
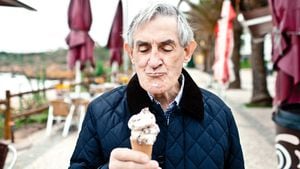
(154, 88)
(156, 91)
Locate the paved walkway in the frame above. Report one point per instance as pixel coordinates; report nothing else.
(257, 132)
(40, 152)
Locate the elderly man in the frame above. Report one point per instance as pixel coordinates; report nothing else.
(197, 130)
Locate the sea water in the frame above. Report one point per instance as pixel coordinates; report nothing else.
(17, 83)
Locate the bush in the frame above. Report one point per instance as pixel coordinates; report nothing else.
(38, 118)
(99, 68)
(245, 63)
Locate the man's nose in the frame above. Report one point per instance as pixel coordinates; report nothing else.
(155, 60)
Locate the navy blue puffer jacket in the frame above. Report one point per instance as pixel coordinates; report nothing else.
(201, 133)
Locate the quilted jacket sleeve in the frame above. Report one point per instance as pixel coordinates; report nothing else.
(88, 151)
(235, 158)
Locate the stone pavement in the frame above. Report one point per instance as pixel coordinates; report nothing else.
(257, 131)
(38, 151)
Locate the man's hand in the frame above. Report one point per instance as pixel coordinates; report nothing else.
(124, 158)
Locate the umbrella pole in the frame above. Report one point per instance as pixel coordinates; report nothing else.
(221, 89)
(125, 25)
(114, 71)
(77, 77)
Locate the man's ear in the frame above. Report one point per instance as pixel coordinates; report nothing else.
(129, 51)
(189, 50)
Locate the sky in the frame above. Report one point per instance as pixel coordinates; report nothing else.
(26, 31)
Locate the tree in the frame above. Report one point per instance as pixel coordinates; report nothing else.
(204, 23)
(236, 57)
(260, 93)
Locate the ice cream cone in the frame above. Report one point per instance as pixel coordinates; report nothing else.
(145, 148)
(144, 131)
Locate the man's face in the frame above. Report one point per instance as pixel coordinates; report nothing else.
(157, 55)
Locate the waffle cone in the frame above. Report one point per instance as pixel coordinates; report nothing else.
(145, 148)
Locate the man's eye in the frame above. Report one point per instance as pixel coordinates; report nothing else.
(167, 48)
(143, 49)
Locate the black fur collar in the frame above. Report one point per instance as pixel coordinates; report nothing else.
(191, 102)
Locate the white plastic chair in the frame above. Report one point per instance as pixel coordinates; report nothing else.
(4, 150)
(80, 105)
(60, 110)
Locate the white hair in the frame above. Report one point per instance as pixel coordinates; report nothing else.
(185, 33)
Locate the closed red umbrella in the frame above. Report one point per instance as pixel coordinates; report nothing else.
(286, 50)
(224, 44)
(115, 41)
(81, 45)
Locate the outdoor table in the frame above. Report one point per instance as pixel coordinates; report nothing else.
(98, 89)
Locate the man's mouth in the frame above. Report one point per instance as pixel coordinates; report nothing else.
(155, 74)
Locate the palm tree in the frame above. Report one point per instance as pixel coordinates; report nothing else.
(260, 93)
(204, 24)
(236, 57)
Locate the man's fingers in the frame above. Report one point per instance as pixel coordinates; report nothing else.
(125, 154)
(128, 159)
(130, 165)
